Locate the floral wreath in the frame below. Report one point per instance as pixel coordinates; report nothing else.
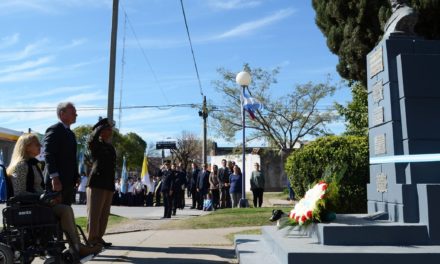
(310, 208)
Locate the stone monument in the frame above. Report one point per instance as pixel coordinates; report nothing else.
(403, 109)
(403, 221)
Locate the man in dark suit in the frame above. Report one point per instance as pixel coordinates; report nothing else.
(192, 185)
(203, 185)
(167, 188)
(61, 169)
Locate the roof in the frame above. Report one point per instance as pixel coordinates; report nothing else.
(9, 134)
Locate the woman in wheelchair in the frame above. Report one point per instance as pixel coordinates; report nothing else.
(26, 177)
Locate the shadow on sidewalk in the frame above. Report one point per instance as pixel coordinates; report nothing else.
(222, 253)
(125, 259)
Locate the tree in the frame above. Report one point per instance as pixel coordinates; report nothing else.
(356, 112)
(283, 121)
(133, 148)
(131, 145)
(354, 27)
(188, 147)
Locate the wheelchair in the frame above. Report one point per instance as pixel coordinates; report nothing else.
(31, 229)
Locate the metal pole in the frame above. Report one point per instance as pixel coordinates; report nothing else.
(205, 117)
(111, 83)
(243, 202)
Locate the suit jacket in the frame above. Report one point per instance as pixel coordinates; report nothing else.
(203, 181)
(60, 157)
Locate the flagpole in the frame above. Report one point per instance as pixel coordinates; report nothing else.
(243, 79)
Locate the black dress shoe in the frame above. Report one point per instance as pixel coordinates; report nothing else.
(105, 244)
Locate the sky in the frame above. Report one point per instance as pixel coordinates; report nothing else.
(54, 51)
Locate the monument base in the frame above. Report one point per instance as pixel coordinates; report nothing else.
(293, 247)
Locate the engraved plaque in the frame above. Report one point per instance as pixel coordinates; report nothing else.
(381, 183)
(378, 116)
(377, 92)
(376, 62)
(380, 144)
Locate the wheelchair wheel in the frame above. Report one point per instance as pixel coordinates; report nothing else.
(6, 256)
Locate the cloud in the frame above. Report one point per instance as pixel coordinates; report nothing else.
(29, 75)
(233, 4)
(86, 97)
(27, 65)
(49, 6)
(252, 26)
(29, 50)
(9, 40)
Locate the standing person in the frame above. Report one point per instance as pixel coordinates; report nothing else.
(61, 169)
(101, 185)
(181, 174)
(26, 178)
(235, 189)
(223, 176)
(193, 185)
(257, 185)
(203, 185)
(82, 189)
(214, 186)
(167, 189)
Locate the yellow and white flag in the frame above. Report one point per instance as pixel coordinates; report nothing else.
(145, 175)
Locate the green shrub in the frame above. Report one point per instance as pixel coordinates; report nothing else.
(337, 153)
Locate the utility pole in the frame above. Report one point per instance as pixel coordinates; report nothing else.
(111, 82)
(204, 115)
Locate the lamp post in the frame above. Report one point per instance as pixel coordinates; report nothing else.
(243, 79)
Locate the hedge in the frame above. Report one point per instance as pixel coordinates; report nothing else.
(307, 165)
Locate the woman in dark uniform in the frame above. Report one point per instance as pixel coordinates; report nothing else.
(101, 185)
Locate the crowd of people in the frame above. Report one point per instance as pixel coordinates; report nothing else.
(208, 189)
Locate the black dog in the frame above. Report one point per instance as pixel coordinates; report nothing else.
(276, 215)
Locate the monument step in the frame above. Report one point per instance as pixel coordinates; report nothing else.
(293, 247)
(356, 230)
(252, 249)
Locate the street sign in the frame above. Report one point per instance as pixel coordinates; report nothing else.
(166, 145)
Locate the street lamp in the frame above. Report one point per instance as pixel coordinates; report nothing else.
(243, 79)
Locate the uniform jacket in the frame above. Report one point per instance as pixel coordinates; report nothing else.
(102, 175)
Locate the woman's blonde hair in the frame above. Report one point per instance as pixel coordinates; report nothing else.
(19, 153)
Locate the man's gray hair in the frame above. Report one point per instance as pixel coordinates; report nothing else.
(63, 106)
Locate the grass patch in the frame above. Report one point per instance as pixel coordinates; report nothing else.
(231, 236)
(112, 220)
(231, 217)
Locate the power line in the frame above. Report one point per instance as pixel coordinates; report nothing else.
(145, 57)
(192, 50)
(95, 108)
(122, 70)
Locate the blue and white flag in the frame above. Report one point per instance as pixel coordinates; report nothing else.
(3, 194)
(81, 164)
(250, 104)
(124, 178)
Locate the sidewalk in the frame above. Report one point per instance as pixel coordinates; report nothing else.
(171, 246)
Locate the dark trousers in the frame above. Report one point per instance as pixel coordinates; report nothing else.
(157, 198)
(225, 198)
(195, 198)
(177, 201)
(258, 196)
(215, 198)
(201, 195)
(167, 204)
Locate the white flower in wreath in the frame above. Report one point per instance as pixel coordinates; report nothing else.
(303, 211)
